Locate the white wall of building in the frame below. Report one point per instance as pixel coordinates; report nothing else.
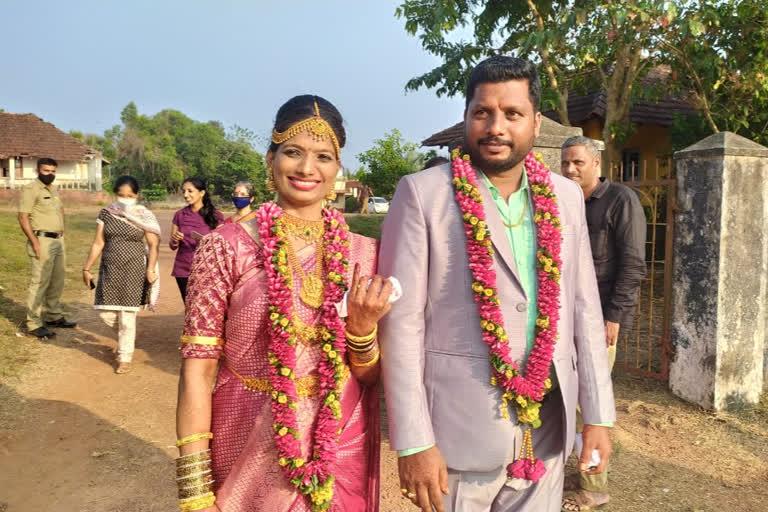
(69, 174)
(30, 168)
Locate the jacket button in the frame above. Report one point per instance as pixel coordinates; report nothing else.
(522, 306)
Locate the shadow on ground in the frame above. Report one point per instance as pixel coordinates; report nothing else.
(76, 461)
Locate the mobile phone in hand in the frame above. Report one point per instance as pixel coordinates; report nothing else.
(93, 285)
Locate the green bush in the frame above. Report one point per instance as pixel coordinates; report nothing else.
(351, 205)
(155, 193)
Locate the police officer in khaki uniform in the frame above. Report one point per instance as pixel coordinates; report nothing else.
(41, 217)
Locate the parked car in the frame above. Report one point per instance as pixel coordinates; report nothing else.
(378, 205)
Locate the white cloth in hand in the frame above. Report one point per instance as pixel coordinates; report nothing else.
(397, 292)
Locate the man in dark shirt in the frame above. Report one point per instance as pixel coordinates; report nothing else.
(617, 227)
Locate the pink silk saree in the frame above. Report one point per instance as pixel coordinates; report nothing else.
(227, 298)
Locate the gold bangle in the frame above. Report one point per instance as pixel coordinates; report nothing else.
(356, 344)
(193, 492)
(187, 480)
(358, 353)
(192, 470)
(362, 339)
(194, 463)
(197, 503)
(210, 341)
(207, 480)
(189, 469)
(206, 471)
(193, 437)
(361, 350)
(363, 358)
(369, 363)
(189, 458)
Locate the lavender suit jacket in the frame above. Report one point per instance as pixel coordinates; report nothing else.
(435, 365)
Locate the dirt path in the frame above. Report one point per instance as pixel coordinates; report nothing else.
(77, 437)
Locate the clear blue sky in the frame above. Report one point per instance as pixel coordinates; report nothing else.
(78, 63)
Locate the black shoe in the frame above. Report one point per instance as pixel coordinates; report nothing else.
(61, 322)
(42, 332)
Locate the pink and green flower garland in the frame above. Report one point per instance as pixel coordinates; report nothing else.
(524, 390)
(311, 477)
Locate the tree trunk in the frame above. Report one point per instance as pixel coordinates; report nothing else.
(562, 107)
(618, 102)
(611, 158)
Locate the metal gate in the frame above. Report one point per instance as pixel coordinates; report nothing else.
(644, 349)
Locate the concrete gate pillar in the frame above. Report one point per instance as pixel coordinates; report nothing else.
(720, 272)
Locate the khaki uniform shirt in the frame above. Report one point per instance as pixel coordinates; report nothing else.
(43, 205)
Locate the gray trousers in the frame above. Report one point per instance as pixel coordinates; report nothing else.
(487, 492)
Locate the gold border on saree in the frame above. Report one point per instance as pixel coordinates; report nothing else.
(305, 386)
(210, 341)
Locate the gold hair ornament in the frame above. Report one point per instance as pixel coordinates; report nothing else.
(317, 128)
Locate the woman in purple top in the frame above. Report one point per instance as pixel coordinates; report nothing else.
(190, 224)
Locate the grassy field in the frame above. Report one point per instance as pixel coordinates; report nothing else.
(368, 225)
(15, 348)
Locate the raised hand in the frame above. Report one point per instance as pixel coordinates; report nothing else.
(366, 305)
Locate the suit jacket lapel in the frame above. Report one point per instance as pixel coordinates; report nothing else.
(498, 233)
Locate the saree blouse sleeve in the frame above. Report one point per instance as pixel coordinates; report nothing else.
(211, 282)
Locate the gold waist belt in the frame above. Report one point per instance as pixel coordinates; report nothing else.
(305, 386)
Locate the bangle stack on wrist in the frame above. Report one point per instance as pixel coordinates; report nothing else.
(363, 350)
(194, 476)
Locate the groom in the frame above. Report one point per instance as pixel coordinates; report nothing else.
(444, 420)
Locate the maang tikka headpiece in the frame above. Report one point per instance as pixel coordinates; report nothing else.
(317, 127)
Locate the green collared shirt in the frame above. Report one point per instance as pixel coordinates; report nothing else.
(518, 226)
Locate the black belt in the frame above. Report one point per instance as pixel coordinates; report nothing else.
(47, 234)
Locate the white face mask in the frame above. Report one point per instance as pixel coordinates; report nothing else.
(127, 201)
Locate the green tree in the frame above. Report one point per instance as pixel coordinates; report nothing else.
(163, 149)
(719, 57)
(129, 114)
(387, 161)
(579, 44)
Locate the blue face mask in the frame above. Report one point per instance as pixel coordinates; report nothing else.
(241, 202)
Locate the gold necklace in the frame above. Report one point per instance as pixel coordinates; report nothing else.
(312, 287)
(522, 215)
(306, 334)
(308, 230)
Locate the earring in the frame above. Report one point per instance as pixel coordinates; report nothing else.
(330, 196)
(271, 181)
